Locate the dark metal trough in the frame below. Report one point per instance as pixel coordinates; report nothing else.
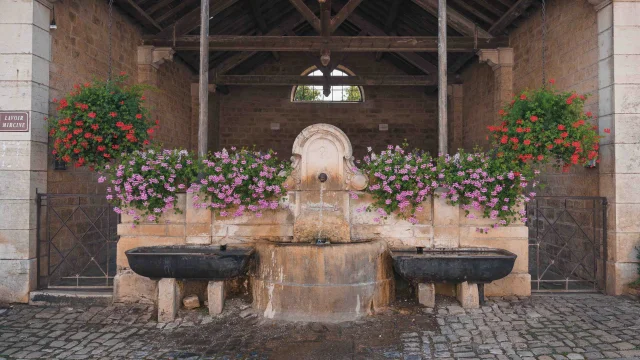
(474, 265)
(189, 262)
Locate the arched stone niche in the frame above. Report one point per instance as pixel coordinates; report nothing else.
(324, 148)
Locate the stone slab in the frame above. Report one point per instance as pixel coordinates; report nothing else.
(427, 294)
(169, 299)
(215, 294)
(467, 295)
(18, 244)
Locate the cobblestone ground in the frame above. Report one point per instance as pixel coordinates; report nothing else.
(550, 327)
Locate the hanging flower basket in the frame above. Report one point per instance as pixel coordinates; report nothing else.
(99, 121)
(544, 125)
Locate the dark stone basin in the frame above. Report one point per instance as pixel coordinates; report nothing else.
(475, 265)
(189, 262)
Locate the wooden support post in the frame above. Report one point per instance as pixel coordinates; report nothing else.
(442, 77)
(203, 119)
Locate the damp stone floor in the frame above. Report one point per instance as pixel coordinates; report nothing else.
(540, 327)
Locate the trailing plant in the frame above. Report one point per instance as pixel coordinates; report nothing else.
(239, 181)
(400, 181)
(145, 184)
(98, 121)
(475, 181)
(543, 125)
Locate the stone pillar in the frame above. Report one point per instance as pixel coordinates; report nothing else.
(619, 108)
(467, 295)
(215, 295)
(501, 61)
(427, 294)
(455, 119)
(169, 299)
(149, 60)
(25, 52)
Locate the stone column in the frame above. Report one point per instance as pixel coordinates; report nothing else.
(149, 60)
(619, 108)
(501, 61)
(25, 52)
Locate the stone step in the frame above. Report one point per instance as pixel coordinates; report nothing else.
(70, 297)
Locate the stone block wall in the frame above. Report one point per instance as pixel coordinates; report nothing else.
(440, 225)
(247, 112)
(571, 59)
(79, 54)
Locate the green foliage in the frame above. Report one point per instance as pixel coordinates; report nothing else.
(352, 93)
(544, 125)
(243, 180)
(97, 122)
(149, 181)
(306, 93)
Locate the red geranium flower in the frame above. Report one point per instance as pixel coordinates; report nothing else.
(607, 130)
(561, 127)
(113, 114)
(534, 118)
(138, 116)
(527, 141)
(92, 115)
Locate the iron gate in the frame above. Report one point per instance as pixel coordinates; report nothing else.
(567, 243)
(77, 239)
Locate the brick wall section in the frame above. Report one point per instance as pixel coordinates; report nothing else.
(247, 112)
(572, 60)
(79, 52)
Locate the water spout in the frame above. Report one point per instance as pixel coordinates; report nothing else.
(322, 177)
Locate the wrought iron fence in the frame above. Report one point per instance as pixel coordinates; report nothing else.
(77, 239)
(567, 243)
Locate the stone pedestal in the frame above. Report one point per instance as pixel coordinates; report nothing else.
(25, 52)
(467, 295)
(215, 292)
(325, 283)
(169, 299)
(427, 294)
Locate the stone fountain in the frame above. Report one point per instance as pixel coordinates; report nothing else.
(321, 273)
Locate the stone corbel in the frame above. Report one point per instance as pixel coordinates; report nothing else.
(151, 55)
(497, 58)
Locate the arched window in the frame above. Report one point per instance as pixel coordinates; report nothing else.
(339, 93)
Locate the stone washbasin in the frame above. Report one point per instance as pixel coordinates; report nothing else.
(190, 262)
(456, 265)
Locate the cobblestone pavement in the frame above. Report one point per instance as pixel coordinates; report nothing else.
(549, 327)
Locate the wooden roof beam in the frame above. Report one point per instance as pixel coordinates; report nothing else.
(307, 13)
(457, 21)
(262, 24)
(292, 80)
(191, 20)
(509, 17)
(145, 17)
(412, 58)
(343, 14)
(336, 43)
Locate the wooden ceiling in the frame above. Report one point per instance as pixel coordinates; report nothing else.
(481, 18)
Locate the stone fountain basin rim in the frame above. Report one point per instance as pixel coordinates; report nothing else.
(195, 262)
(453, 265)
(457, 253)
(199, 250)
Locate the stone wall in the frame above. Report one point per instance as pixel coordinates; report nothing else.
(247, 112)
(439, 225)
(571, 59)
(79, 54)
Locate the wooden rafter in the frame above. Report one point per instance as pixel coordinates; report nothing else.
(309, 15)
(414, 59)
(183, 4)
(262, 24)
(507, 19)
(143, 14)
(343, 14)
(498, 28)
(457, 21)
(464, 5)
(157, 6)
(289, 80)
(285, 27)
(389, 21)
(191, 20)
(337, 43)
